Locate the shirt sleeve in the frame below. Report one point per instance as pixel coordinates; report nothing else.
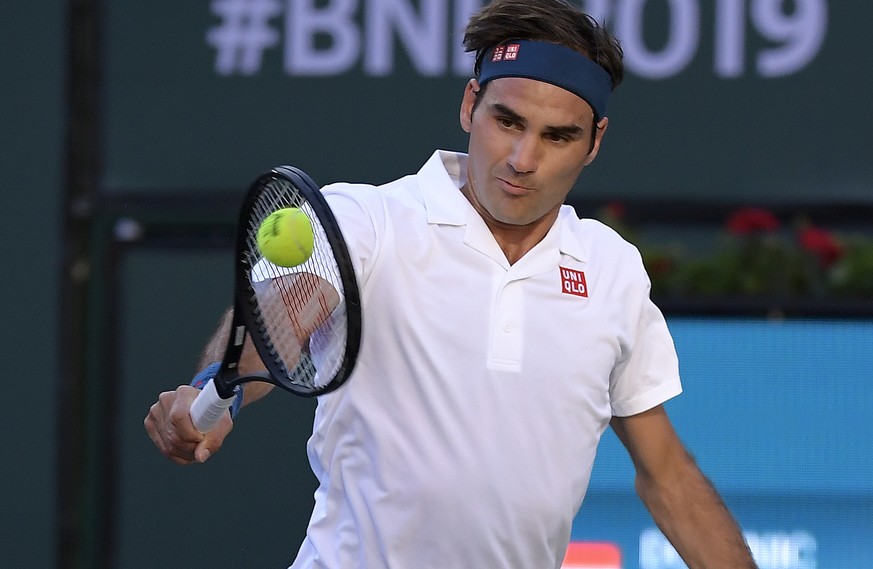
(648, 372)
(359, 211)
(353, 206)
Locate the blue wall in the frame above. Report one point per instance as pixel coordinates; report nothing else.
(778, 415)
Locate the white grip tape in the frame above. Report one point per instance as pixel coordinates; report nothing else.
(208, 408)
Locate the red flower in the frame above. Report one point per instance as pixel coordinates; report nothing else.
(821, 244)
(615, 210)
(752, 220)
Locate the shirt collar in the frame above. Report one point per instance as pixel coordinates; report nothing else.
(440, 180)
(571, 244)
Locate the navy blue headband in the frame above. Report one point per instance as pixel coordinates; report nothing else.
(550, 63)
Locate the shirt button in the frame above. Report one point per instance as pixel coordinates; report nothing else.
(507, 328)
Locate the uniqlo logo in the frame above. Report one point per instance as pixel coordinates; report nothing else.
(498, 53)
(573, 282)
(512, 52)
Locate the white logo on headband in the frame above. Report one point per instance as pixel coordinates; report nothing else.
(506, 52)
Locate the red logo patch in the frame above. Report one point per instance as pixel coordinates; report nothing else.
(573, 282)
(506, 52)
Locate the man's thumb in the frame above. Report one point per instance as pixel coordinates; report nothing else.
(202, 452)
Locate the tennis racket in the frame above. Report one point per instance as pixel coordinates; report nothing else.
(304, 321)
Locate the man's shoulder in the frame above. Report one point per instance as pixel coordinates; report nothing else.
(599, 243)
(397, 199)
(593, 230)
(365, 190)
(439, 170)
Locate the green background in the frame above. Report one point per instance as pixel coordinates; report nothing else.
(172, 123)
(31, 145)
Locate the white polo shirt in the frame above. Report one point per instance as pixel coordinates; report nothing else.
(466, 436)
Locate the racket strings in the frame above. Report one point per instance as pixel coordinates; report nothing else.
(298, 309)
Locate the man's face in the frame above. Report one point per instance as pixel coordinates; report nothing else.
(529, 141)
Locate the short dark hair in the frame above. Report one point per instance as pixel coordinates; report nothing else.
(555, 21)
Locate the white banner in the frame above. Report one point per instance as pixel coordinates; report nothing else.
(763, 38)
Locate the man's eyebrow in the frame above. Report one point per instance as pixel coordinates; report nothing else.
(570, 131)
(503, 110)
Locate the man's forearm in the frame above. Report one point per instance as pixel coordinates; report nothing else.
(249, 362)
(693, 517)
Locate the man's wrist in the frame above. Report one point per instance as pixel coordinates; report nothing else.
(208, 373)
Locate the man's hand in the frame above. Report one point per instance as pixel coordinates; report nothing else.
(170, 428)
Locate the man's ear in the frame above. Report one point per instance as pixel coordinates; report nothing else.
(600, 130)
(471, 91)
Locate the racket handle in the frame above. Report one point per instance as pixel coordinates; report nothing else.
(208, 408)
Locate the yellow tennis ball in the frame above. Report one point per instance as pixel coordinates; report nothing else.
(285, 237)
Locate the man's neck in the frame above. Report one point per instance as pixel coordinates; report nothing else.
(514, 240)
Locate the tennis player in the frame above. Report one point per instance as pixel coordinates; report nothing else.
(502, 335)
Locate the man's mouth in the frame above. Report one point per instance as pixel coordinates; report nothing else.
(511, 188)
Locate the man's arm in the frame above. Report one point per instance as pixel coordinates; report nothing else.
(249, 362)
(306, 299)
(682, 501)
(168, 422)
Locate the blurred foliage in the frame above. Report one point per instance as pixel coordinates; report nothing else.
(755, 255)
